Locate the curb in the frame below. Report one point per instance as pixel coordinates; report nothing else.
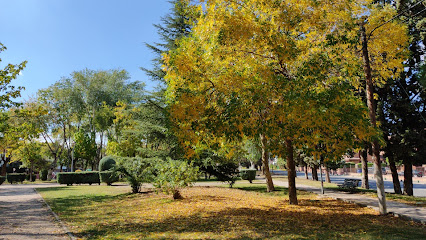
(63, 226)
(399, 215)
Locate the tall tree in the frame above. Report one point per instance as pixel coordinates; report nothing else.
(86, 101)
(247, 69)
(403, 101)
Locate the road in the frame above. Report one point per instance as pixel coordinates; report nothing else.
(419, 186)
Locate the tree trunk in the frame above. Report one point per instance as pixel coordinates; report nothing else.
(265, 164)
(177, 195)
(315, 173)
(306, 171)
(327, 174)
(408, 178)
(363, 157)
(4, 166)
(31, 172)
(372, 114)
(395, 178)
(291, 169)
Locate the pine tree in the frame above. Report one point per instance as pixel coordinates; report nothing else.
(173, 26)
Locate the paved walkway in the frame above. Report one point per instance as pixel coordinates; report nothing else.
(23, 215)
(417, 214)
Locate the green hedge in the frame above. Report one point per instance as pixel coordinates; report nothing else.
(248, 174)
(2, 179)
(34, 177)
(108, 177)
(16, 177)
(70, 178)
(43, 174)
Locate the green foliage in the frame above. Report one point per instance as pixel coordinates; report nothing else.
(85, 146)
(33, 177)
(70, 178)
(16, 177)
(137, 170)
(107, 163)
(226, 172)
(174, 175)
(43, 174)
(248, 174)
(2, 179)
(7, 91)
(108, 177)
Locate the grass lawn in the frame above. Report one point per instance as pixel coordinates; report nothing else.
(244, 212)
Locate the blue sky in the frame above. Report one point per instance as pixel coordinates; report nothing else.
(58, 37)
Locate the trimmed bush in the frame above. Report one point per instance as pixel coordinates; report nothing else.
(248, 174)
(2, 179)
(106, 163)
(43, 174)
(16, 177)
(70, 178)
(108, 177)
(34, 177)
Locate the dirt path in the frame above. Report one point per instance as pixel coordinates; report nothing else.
(23, 215)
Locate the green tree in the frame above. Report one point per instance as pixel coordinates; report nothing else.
(173, 175)
(86, 101)
(403, 100)
(7, 74)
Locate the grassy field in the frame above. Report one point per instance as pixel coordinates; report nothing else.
(244, 212)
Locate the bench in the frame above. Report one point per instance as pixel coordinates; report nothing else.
(349, 183)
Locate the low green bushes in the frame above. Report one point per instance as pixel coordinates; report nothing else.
(43, 174)
(70, 178)
(34, 177)
(16, 177)
(248, 174)
(108, 177)
(2, 179)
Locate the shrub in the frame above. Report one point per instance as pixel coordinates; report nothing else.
(2, 179)
(33, 177)
(70, 178)
(16, 177)
(43, 174)
(248, 174)
(107, 163)
(137, 171)
(226, 172)
(174, 175)
(108, 177)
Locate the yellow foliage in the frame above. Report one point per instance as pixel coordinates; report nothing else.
(281, 68)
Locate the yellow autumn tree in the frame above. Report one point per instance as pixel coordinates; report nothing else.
(272, 70)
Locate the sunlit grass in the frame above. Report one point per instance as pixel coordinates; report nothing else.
(244, 212)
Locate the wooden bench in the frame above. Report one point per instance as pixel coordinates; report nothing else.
(349, 183)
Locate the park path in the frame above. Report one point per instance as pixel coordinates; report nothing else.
(23, 214)
(417, 214)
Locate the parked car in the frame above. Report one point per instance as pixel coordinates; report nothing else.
(417, 173)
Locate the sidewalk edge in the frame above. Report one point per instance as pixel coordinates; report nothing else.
(62, 224)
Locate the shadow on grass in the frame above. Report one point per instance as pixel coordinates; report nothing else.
(261, 188)
(311, 219)
(277, 223)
